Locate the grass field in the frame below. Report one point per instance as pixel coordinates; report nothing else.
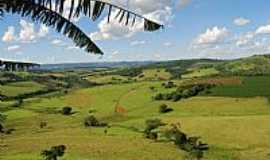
(18, 88)
(235, 128)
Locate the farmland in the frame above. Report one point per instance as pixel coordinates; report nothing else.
(232, 118)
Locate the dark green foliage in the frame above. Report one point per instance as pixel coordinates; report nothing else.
(192, 145)
(183, 92)
(92, 121)
(164, 108)
(42, 125)
(128, 72)
(151, 125)
(66, 110)
(169, 84)
(54, 152)
(1, 128)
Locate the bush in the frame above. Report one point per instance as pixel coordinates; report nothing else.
(164, 109)
(42, 125)
(1, 128)
(66, 110)
(151, 125)
(91, 121)
(192, 145)
(54, 152)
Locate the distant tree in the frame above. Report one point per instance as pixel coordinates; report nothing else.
(92, 121)
(54, 152)
(164, 108)
(66, 110)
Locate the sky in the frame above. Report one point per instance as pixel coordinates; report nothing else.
(219, 29)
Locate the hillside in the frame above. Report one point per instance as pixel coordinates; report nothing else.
(104, 113)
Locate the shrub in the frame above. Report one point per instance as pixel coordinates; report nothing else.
(192, 145)
(91, 121)
(18, 103)
(54, 152)
(1, 128)
(164, 109)
(151, 125)
(158, 97)
(66, 110)
(42, 125)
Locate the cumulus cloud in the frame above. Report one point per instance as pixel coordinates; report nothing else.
(56, 42)
(240, 21)
(157, 10)
(263, 29)
(13, 48)
(9, 35)
(245, 39)
(212, 36)
(27, 33)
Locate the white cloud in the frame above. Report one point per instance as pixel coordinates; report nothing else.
(263, 30)
(13, 48)
(9, 35)
(245, 39)
(240, 21)
(167, 44)
(27, 33)
(56, 41)
(157, 10)
(212, 36)
(136, 43)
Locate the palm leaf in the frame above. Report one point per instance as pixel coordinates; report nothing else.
(42, 14)
(83, 7)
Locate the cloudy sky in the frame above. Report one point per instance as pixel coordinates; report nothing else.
(221, 29)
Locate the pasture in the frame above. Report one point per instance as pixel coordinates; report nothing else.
(235, 128)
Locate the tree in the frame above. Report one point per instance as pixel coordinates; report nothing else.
(51, 13)
(54, 152)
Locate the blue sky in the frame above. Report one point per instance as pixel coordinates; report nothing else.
(221, 29)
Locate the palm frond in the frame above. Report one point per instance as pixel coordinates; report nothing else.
(42, 14)
(83, 7)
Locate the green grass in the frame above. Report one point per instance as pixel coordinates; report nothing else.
(201, 73)
(17, 88)
(250, 87)
(235, 128)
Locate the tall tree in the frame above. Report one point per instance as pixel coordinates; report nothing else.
(51, 13)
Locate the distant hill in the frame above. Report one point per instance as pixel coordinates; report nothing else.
(254, 65)
(67, 66)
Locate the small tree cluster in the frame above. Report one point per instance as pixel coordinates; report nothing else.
(169, 84)
(164, 108)
(151, 125)
(54, 152)
(182, 93)
(192, 145)
(92, 121)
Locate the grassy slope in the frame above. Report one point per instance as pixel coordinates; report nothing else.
(17, 88)
(235, 128)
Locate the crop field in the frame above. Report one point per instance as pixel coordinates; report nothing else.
(250, 87)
